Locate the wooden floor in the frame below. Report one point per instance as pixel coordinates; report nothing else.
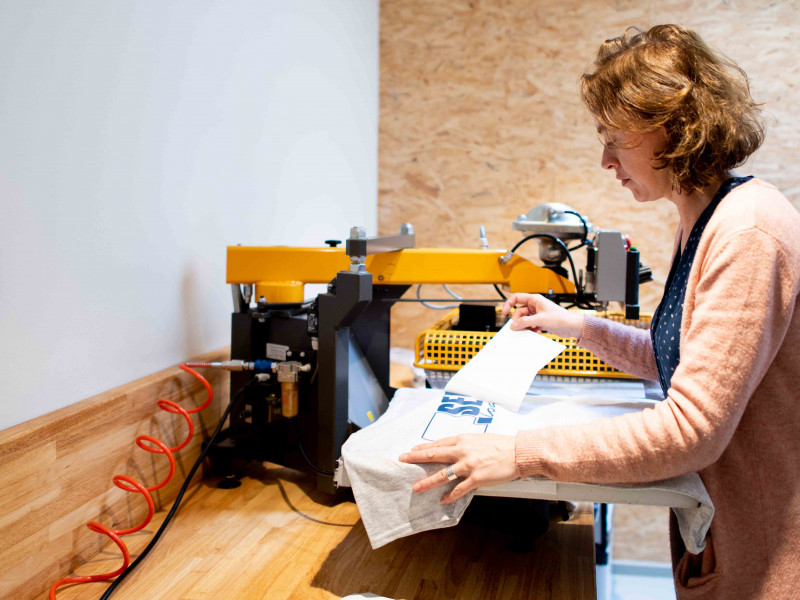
(277, 538)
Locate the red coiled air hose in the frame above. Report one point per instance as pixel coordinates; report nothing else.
(155, 446)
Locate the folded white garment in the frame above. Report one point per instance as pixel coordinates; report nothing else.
(504, 368)
(382, 484)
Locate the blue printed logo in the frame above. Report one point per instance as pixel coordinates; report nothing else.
(459, 414)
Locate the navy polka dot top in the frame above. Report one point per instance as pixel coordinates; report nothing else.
(665, 328)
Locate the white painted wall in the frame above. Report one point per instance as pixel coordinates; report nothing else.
(140, 138)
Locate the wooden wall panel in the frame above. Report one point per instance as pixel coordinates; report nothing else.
(481, 118)
(56, 473)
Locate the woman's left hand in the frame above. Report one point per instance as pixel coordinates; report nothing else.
(478, 459)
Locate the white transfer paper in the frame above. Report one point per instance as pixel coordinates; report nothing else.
(504, 368)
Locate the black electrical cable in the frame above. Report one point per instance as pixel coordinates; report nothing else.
(585, 225)
(305, 456)
(563, 247)
(579, 246)
(499, 291)
(179, 498)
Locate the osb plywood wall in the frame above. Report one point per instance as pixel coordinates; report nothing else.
(481, 118)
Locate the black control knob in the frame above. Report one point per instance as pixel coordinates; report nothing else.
(333, 243)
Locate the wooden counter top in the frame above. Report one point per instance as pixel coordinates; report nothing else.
(276, 538)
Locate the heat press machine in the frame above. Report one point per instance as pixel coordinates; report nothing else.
(313, 371)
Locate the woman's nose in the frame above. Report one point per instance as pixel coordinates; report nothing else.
(609, 159)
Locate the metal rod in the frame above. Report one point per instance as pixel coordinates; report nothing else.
(463, 300)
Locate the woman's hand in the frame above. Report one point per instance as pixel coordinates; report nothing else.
(538, 313)
(478, 459)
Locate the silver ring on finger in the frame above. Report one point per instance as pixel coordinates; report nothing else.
(450, 474)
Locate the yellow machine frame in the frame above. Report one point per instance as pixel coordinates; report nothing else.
(280, 272)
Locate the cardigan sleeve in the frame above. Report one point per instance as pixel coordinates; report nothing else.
(624, 347)
(739, 304)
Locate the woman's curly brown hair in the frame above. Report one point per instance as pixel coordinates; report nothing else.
(668, 77)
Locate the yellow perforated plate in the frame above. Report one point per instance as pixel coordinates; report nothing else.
(442, 349)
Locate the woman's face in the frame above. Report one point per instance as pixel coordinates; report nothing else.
(630, 155)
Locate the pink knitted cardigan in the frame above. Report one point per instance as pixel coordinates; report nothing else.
(732, 413)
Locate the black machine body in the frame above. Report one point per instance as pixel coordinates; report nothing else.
(338, 348)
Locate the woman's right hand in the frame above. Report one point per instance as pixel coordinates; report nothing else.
(538, 313)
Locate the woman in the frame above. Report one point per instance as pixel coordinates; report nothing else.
(675, 118)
